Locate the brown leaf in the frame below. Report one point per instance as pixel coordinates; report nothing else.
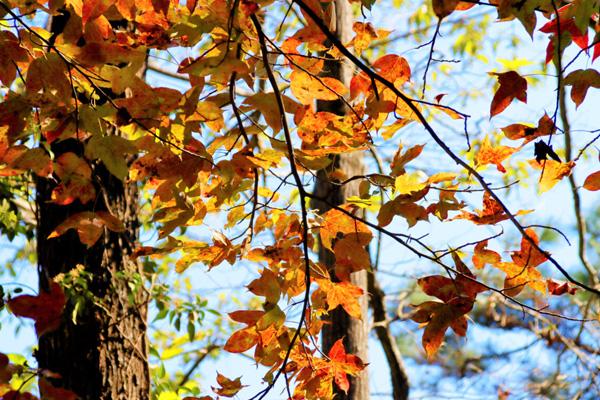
(512, 86)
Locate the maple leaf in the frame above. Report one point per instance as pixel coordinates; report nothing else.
(568, 24)
(581, 80)
(242, 340)
(512, 86)
(529, 256)
(342, 294)
(558, 288)
(229, 387)
(89, 226)
(592, 182)
(45, 309)
(307, 88)
(458, 296)
(11, 54)
(443, 8)
(336, 222)
(343, 364)
(552, 172)
(520, 131)
(50, 392)
(439, 317)
(75, 175)
(489, 154)
(483, 256)
(401, 159)
(491, 214)
(522, 271)
(365, 34)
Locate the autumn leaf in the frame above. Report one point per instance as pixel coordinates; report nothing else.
(558, 288)
(229, 387)
(11, 53)
(489, 154)
(45, 309)
(89, 226)
(592, 182)
(512, 86)
(491, 214)
(338, 222)
(365, 34)
(50, 392)
(401, 159)
(308, 88)
(551, 172)
(518, 276)
(528, 255)
(520, 131)
(483, 256)
(581, 80)
(342, 294)
(438, 317)
(394, 68)
(112, 150)
(522, 270)
(242, 340)
(350, 256)
(343, 364)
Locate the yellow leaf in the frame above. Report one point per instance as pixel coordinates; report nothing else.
(307, 88)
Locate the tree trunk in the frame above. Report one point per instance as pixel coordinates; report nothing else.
(340, 324)
(100, 350)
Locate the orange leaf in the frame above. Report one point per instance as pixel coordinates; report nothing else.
(491, 214)
(337, 222)
(483, 256)
(393, 68)
(229, 387)
(342, 294)
(552, 172)
(517, 277)
(519, 131)
(489, 154)
(241, 340)
(529, 256)
(592, 182)
(401, 159)
(46, 308)
(89, 225)
(307, 88)
(512, 86)
(343, 364)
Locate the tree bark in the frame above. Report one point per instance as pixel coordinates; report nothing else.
(101, 353)
(339, 323)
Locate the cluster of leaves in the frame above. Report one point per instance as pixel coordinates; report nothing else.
(202, 153)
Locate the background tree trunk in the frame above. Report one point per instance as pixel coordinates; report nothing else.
(355, 332)
(102, 353)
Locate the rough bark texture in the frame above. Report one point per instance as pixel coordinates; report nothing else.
(103, 354)
(355, 332)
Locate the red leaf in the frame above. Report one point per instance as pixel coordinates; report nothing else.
(557, 288)
(512, 86)
(46, 308)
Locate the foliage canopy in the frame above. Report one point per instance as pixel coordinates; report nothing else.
(230, 142)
